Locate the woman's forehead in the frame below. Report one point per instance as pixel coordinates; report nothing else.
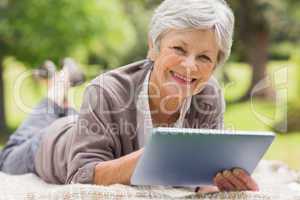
(192, 37)
(188, 33)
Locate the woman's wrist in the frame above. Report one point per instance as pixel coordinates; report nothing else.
(116, 171)
(126, 166)
(106, 173)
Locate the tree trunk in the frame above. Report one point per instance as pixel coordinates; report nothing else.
(254, 34)
(3, 126)
(257, 57)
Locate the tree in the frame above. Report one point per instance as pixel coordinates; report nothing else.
(258, 23)
(35, 30)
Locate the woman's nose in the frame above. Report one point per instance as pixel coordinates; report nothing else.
(190, 63)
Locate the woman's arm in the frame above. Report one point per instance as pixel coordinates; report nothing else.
(94, 140)
(117, 171)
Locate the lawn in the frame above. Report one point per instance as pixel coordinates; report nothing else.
(244, 116)
(261, 115)
(285, 146)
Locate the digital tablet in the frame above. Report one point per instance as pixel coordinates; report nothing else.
(192, 157)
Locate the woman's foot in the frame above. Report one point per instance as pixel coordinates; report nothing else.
(45, 71)
(75, 75)
(60, 83)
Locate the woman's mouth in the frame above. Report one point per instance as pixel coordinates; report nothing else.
(182, 79)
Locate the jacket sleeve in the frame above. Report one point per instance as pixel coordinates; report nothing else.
(93, 139)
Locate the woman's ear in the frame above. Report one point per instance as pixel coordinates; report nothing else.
(152, 52)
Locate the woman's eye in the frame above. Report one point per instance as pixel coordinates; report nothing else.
(205, 58)
(179, 49)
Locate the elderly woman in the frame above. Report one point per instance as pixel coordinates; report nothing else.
(174, 87)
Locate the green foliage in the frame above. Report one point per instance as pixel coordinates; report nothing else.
(279, 19)
(140, 17)
(296, 59)
(281, 51)
(33, 30)
(119, 37)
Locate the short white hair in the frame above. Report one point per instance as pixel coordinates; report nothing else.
(198, 14)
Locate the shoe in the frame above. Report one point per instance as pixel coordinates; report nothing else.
(45, 71)
(76, 75)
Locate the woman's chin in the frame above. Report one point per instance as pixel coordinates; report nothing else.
(175, 93)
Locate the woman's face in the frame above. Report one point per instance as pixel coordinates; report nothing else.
(185, 62)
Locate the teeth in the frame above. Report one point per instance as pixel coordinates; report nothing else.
(182, 77)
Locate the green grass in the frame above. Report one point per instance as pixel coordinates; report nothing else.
(286, 148)
(261, 115)
(240, 75)
(243, 117)
(257, 115)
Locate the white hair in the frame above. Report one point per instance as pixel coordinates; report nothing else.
(199, 14)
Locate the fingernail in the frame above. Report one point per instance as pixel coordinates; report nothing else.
(226, 173)
(236, 172)
(218, 175)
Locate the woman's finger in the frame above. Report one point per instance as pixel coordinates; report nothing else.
(238, 184)
(223, 183)
(208, 189)
(217, 183)
(246, 179)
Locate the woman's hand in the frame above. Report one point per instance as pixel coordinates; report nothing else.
(235, 180)
(117, 171)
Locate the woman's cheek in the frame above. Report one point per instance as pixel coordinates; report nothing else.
(209, 69)
(170, 60)
(204, 73)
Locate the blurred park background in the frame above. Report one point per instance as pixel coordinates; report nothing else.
(261, 81)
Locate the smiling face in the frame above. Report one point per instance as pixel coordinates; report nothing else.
(185, 62)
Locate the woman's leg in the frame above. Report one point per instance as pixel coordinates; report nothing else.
(17, 157)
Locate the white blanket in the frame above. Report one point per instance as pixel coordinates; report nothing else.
(276, 181)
